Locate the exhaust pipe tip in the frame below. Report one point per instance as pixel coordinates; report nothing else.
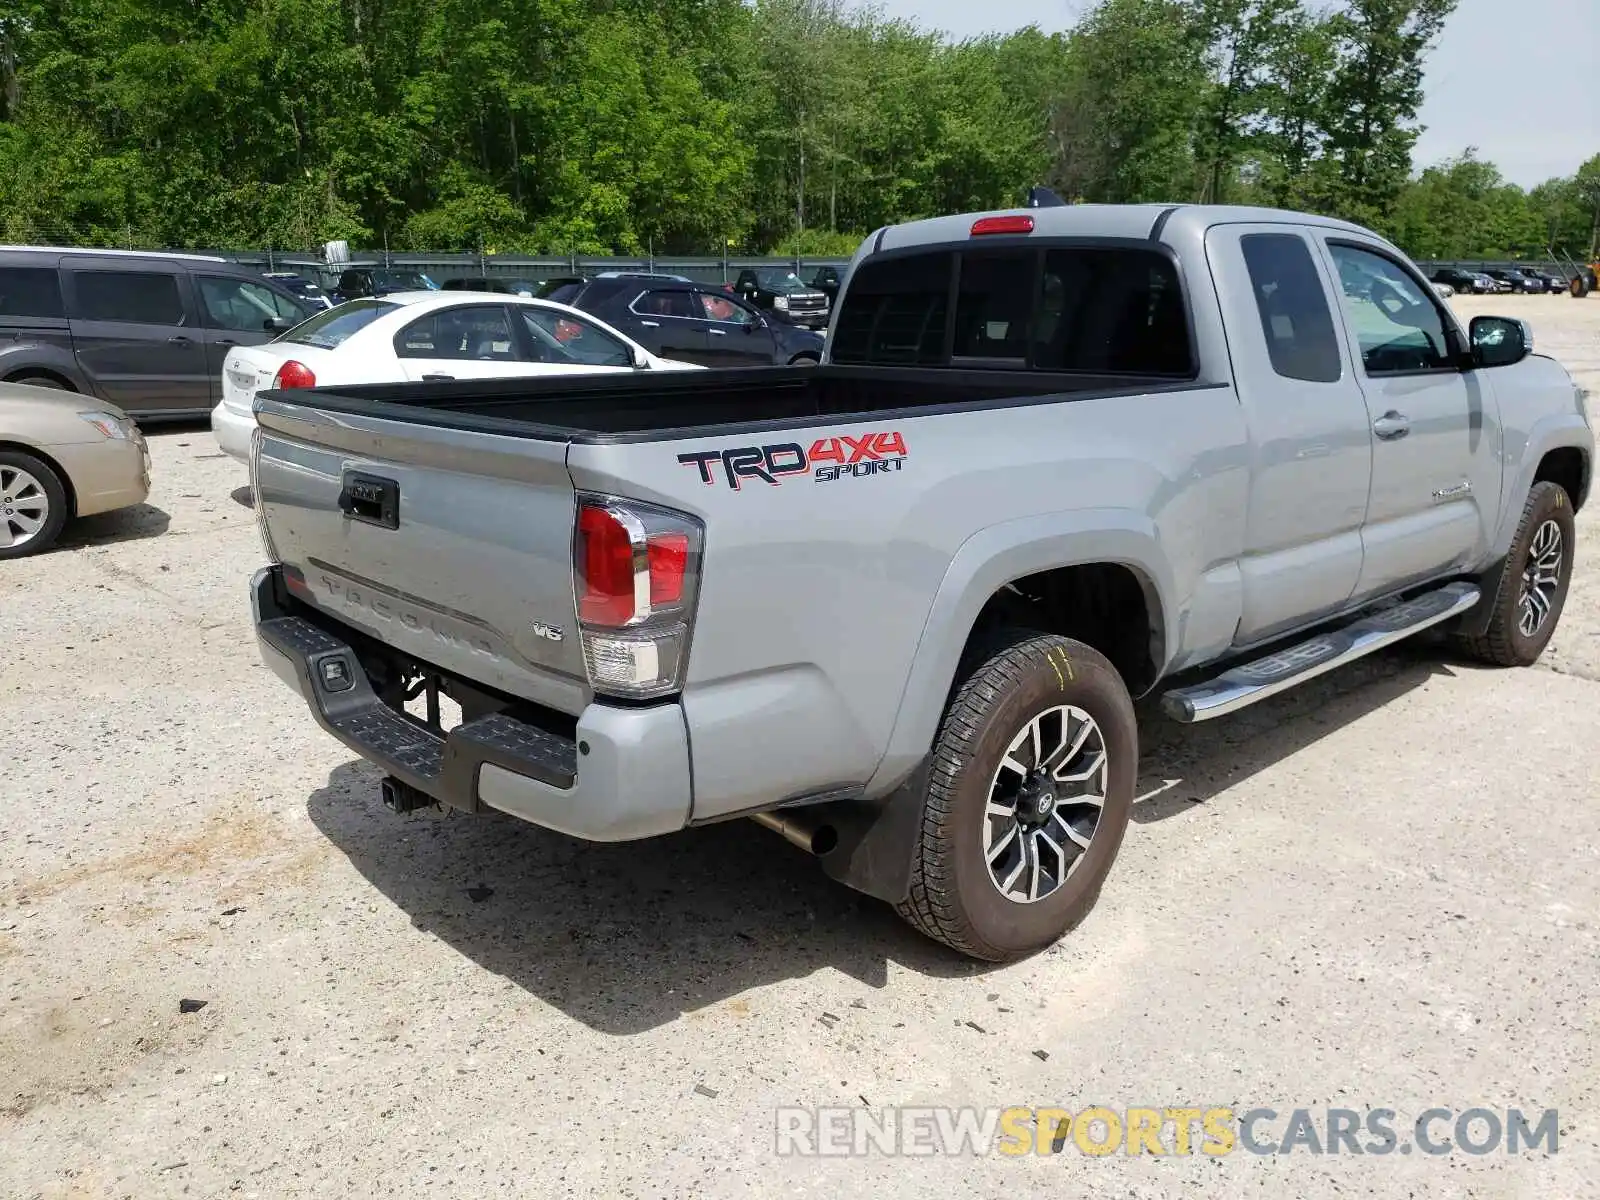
(817, 838)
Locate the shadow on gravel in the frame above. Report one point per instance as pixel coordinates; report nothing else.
(121, 525)
(623, 937)
(1183, 766)
(244, 496)
(626, 937)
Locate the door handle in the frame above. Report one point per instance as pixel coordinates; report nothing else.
(1392, 426)
(427, 377)
(651, 324)
(178, 339)
(218, 342)
(718, 332)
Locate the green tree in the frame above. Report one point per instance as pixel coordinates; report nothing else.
(1373, 98)
(1132, 104)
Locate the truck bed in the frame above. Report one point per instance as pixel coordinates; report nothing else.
(658, 406)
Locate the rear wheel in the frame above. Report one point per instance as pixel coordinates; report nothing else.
(804, 360)
(1028, 798)
(33, 504)
(1579, 287)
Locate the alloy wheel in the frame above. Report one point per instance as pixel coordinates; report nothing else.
(1044, 803)
(24, 506)
(1541, 577)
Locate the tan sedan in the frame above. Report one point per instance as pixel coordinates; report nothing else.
(63, 455)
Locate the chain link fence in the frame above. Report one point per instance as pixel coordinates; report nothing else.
(436, 264)
(444, 265)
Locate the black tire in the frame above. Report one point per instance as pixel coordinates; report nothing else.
(953, 898)
(804, 360)
(1503, 643)
(44, 381)
(1578, 288)
(55, 496)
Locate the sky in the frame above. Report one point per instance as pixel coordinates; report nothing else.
(1518, 79)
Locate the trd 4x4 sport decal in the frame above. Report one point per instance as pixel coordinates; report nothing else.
(843, 457)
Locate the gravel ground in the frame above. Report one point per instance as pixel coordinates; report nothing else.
(1379, 891)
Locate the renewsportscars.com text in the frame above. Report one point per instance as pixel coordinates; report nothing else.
(1161, 1131)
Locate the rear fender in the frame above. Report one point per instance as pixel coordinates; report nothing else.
(987, 561)
(877, 836)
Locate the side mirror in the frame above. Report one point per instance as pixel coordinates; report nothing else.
(277, 324)
(640, 362)
(1499, 341)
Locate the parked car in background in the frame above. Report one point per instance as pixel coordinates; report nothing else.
(369, 279)
(561, 288)
(780, 291)
(423, 336)
(1462, 281)
(308, 291)
(1515, 280)
(491, 283)
(1552, 282)
(696, 322)
(827, 280)
(63, 456)
(145, 332)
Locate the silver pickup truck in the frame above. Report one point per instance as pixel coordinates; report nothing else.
(897, 606)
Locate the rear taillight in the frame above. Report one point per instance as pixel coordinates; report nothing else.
(294, 375)
(635, 571)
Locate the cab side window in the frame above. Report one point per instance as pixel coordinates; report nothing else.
(1293, 307)
(1398, 327)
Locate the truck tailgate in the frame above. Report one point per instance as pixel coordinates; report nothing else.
(452, 546)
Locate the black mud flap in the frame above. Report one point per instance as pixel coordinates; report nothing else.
(878, 839)
(1475, 621)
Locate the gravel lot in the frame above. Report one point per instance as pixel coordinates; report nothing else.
(1378, 891)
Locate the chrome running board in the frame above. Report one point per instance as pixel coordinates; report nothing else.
(1242, 686)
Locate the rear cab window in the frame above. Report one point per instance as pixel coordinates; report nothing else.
(329, 328)
(1100, 309)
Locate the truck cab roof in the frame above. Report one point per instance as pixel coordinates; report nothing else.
(1145, 222)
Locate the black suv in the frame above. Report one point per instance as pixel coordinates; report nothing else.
(1518, 281)
(781, 292)
(146, 332)
(1462, 281)
(694, 322)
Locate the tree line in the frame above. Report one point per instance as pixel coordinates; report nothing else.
(693, 126)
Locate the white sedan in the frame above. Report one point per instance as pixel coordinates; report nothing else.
(421, 336)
